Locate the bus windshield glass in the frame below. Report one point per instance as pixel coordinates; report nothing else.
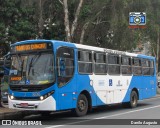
(32, 69)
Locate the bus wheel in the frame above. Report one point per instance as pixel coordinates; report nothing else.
(82, 105)
(133, 99)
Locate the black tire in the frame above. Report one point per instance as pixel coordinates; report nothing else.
(82, 105)
(133, 99)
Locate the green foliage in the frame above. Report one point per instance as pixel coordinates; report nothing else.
(116, 15)
(53, 19)
(17, 22)
(86, 10)
(108, 21)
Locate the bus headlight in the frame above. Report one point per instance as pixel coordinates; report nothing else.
(41, 98)
(11, 97)
(46, 95)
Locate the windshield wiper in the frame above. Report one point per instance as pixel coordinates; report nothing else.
(22, 68)
(19, 60)
(20, 64)
(33, 60)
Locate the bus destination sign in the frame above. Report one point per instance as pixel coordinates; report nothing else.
(30, 47)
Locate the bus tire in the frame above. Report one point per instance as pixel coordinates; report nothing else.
(133, 99)
(82, 105)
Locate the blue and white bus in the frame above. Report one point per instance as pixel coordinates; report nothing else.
(50, 75)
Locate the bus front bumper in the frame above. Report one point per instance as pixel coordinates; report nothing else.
(48, 104)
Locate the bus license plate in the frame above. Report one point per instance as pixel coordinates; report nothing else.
(24, 104)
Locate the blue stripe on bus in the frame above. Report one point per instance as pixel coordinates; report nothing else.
(31, 94)
(143, 90)
(140, 82)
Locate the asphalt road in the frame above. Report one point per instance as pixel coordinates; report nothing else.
(147, 111)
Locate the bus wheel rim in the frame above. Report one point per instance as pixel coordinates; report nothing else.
(81, 105)
(133, 99)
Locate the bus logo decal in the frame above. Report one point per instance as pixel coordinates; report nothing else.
(110, 82)
(28, 82)
(101, 83)
(119, 83)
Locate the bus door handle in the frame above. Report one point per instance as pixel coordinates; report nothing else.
(91, 82)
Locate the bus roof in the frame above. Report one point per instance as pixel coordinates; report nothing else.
(85, 47)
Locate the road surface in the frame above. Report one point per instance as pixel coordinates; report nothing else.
(147, 112)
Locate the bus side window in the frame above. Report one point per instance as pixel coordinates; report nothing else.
(113, 64)
(145, 67)
(126, 65)
(136, 66)
(100, 63)
(65, 65)
(152, 71)
(84, 62)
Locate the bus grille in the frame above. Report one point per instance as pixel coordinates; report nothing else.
(28, 88)
(27, 98)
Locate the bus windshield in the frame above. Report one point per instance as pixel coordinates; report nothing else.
(32, 69)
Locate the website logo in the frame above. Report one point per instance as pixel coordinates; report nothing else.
(137, 20)
(6, 122)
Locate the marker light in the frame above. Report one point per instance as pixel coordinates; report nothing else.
(46, 95)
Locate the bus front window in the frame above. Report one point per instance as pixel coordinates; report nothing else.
(32, 69)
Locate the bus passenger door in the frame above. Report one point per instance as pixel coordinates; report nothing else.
(65, 77)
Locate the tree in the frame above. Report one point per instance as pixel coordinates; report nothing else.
(4, 48)
(53, 20)
(153, 29)
(101, 23)
(18, 21)
(70, 31)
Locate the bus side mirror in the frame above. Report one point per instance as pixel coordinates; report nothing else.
(61, 67)
(7, 63)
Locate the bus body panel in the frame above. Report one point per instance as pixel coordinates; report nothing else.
(48, 104)
(66, 94)
(110, 89)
